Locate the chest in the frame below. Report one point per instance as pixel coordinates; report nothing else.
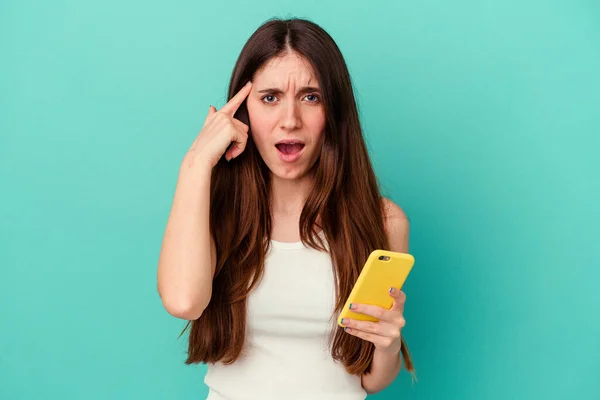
(296, 296)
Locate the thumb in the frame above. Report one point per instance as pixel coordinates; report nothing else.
(211, 111)
(399, 298)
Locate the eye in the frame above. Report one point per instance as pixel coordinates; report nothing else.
(269, 98)
(312, 98)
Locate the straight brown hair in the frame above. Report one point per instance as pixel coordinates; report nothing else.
(345, 203)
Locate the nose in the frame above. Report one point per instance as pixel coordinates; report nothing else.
(291, 118)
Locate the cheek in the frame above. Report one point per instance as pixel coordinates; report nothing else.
(315, 121)
(260, 122)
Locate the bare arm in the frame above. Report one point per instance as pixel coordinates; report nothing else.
(188, 257)
(186, 267)
(386, 365)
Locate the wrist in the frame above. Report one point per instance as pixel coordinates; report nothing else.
(394, 349)
(388, 352)
(195, 166)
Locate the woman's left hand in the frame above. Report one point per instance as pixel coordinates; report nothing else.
(386, 334)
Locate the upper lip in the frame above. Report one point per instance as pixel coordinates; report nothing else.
(290, 141)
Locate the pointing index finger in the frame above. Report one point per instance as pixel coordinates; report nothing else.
(237, 100)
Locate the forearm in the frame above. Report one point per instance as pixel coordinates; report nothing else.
(384, 369)
(184, 269)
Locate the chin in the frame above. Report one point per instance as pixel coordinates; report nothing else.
(291, 172)
(288, 173)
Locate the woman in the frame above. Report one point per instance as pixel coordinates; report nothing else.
(275, 212)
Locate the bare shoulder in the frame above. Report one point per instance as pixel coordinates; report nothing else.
(397, 226)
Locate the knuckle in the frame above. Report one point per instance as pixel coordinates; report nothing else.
(242, 127)
(233, 129)
(401, 322)
(223, 118)
(379, 313)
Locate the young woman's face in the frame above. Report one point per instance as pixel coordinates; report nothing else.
(286, 115)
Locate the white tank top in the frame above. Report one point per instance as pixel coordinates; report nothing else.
(286, 355)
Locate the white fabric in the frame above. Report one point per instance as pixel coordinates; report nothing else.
(289, 319)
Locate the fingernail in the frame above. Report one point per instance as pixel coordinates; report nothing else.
(351, 307)
(248, 83)
(392, 290)
(342, 321)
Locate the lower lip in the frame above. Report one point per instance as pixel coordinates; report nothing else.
(289, 157)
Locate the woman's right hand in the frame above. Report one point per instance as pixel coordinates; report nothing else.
(220, 129)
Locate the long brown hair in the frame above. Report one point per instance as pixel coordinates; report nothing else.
(345, 203)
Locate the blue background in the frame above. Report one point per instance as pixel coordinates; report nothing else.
(483, 119)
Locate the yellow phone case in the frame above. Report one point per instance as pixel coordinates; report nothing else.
(376, 278)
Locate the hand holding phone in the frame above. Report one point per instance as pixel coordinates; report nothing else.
(383, 270)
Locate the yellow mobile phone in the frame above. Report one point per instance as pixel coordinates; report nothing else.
(382, 270)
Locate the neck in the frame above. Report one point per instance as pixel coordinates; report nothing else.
(288, 196)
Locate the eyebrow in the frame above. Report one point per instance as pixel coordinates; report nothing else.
(305, 89)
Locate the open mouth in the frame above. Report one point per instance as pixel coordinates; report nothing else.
(290, 148)
(289, 151)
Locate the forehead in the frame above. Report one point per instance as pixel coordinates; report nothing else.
(282, 71)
